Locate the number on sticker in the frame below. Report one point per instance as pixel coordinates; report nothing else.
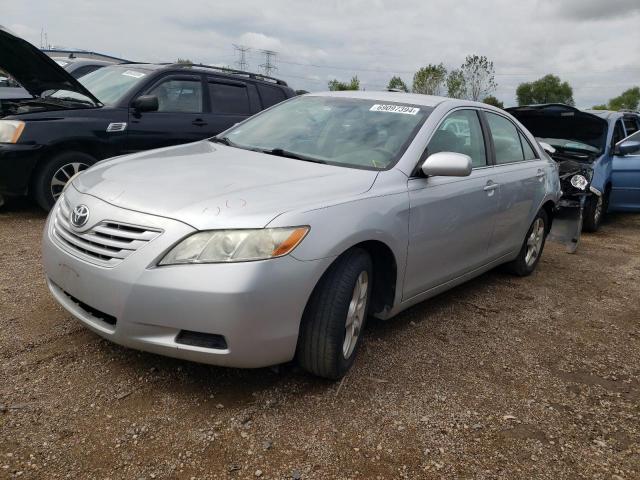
(394, 109)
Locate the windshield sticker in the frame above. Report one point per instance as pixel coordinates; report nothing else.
(394, 109)
(134, 74)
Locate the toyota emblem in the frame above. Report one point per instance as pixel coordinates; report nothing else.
(79, 216)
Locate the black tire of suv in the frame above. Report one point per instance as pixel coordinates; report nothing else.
(41, 187)
(591, 222)
(519, 266)
(322, 330)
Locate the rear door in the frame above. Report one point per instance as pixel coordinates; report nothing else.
(521, 176)
(179, 118)
(451, 218)
(625, 179)
(229, 102)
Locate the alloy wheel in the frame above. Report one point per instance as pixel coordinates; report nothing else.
(356, 314)
(534, 242)
(63, 175)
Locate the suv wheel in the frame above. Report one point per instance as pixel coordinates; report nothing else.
(333, 321)
(52, 176)
(594, 211)
(531, 251)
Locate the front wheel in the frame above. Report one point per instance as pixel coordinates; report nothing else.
(53, 175)
(594, 211)
(531, 251)
(335, 316)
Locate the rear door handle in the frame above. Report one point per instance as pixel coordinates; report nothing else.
(491, 186)
(199, 122)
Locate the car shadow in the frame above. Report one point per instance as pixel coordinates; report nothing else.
(21, 206)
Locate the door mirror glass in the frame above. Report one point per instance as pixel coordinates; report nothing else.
(145, 103)
(447, 164)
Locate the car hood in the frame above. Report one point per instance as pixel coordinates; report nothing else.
(209, 185)
(562, 122)
(34, 70)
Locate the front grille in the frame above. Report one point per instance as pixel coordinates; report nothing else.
(106, 244)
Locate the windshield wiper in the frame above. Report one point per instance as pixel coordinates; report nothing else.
(223, 140)
(280, 152)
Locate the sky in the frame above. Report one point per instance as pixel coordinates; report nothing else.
(593, 44)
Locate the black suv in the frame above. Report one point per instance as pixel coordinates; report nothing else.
(115, 110)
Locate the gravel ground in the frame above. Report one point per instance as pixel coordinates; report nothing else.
(500, 378)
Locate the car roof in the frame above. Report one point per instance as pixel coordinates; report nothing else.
(606, 114)
(88, 61)
(398, 97)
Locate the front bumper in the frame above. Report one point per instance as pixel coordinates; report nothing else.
(255, 306)
(16, 165)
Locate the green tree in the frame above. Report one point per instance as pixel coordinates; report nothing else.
(548, 89)
(479, 77)
(337, 85)
(429, 80)
(491, 100)
(600, 107)
(184, 61)
(455, 84)
(397, 83)
(628, 100)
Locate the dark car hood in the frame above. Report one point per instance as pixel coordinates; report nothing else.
(562, 122)
(34, 70)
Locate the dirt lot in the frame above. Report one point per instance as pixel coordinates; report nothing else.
(500, 378)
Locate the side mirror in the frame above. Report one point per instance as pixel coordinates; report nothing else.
(145, 103)
(447, 164)
(627, 147)
(547, 148)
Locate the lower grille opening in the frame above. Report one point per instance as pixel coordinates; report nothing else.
(198, 339)
(94, 312)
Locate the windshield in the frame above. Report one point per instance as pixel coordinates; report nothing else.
(107, 84)
(339, 131)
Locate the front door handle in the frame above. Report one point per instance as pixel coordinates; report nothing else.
(490, 187)
(198, 122)
(541, 174)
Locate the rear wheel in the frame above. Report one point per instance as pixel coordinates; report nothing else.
(335, 316)
(531, 251)
(52, 176)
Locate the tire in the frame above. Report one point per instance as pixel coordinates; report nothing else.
(323, 346)
(527, 260)
(594, 211)
(51, 176)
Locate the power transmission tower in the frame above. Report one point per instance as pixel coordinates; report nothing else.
(242, 59)
(269, 64)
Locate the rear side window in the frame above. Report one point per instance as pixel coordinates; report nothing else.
(460, 132)
(270, 95)
(229, 98)
(506, 139)
(529, 153)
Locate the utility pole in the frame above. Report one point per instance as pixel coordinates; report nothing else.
(242, 59)
(269, 64)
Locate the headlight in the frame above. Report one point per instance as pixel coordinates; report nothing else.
(222, 246)
(10, 130)
(579, 182)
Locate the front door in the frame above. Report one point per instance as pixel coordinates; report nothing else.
(451, 218)
(625, 180)
(179, 118)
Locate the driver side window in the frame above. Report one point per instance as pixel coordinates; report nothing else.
(184, 96)
(460, 132)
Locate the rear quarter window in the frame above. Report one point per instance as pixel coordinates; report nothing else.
(270, 95)
(228, 98)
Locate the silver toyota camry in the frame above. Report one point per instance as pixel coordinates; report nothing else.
(278, 238)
